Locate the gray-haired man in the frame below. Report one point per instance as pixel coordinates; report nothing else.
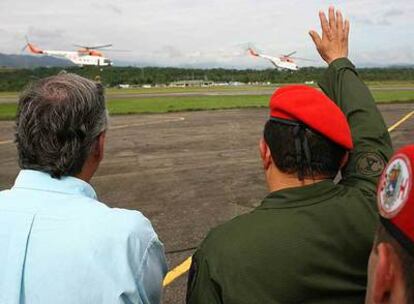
(58, 243)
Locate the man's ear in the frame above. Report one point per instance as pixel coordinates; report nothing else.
(344, 160)
(384, 273)
(265, 154)
(100, 146)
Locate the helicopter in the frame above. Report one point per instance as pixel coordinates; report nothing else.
(282, 62)
(84, 56)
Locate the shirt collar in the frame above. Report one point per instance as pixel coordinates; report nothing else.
(37, 180)
(300, 196)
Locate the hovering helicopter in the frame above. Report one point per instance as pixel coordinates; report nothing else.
(84, 56)
(283, 62)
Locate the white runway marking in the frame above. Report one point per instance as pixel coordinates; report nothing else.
(6, 142)
(145, 123)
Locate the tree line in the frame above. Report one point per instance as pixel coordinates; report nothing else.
(16, 79)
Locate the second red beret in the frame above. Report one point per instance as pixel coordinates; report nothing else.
(396, 196)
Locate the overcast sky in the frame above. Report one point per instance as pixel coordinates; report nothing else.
(207, 33)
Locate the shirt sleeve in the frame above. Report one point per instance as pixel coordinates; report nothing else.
(201, 288)
(372, 142)
(152, 272)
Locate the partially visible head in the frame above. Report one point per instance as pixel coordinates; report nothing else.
(307, 135)
(391, 263)
(326, 156)
(61, 122)
(390, 271)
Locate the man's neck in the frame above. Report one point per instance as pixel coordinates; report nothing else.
(88, 170)
(84, 176)
(277, 180)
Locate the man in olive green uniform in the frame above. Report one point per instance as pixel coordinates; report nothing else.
(309, 240)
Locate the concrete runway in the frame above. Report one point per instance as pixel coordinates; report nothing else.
(187, 172)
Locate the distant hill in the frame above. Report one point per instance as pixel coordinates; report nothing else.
(30, 62)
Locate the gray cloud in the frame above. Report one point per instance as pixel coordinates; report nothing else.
(395, 56)
(393, 12)
(110, 7)
(381, 14)
(389, 15)
(43, 33)
(115, 9)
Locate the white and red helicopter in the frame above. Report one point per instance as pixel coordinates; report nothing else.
(84, 56)
(283, 62)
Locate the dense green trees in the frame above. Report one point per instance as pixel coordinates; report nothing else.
(16, 79)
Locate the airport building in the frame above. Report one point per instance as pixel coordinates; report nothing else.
(191, 83)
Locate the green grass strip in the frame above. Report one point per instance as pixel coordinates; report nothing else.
(197, 103)
(176, 104)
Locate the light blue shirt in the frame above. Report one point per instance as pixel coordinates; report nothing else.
(58, 245)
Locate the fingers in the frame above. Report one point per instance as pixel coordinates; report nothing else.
(346, 34)
(335, 33)
(324, 24)
(316, 38)
(346, 30)
(332, 19)
(339, 24)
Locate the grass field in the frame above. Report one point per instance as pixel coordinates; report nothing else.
(176, 104)
(7, 111)
(165, 104)
(394, 96)
(194, 103)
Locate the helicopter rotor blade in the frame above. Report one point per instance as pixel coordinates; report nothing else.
(303, 59)
(290, 54)
(93, 47)
(26, 45)
(117, 50)
(248, 45)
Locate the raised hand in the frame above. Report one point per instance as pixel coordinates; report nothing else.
(335, 36)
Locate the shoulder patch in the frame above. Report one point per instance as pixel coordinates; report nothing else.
(394, 187)
(370, 164)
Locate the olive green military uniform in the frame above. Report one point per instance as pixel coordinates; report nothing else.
(308, 244)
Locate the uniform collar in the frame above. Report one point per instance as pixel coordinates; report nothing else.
(300, 196)
(37, 180)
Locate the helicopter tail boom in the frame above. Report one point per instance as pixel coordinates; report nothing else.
(33, 49)
(253, 52)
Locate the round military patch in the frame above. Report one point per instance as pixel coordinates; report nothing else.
(370, 164)
(394, 187)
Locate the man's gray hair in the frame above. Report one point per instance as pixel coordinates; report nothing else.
(58, 121)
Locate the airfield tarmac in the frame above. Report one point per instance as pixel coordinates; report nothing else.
(187, 172)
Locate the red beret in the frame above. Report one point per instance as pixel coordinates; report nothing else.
(396, 196)
(314, 109)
